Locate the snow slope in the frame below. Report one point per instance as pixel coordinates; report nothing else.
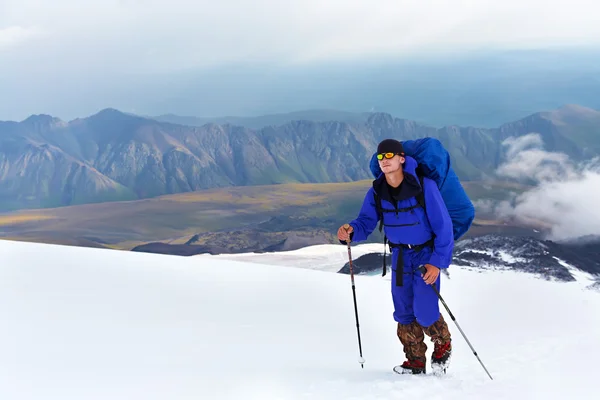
(82, 323)
(323, 257)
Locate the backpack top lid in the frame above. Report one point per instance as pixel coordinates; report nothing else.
(434, 163)
(432, 158)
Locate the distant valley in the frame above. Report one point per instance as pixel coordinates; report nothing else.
(227, 220)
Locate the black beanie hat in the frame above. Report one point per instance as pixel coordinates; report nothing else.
(390, 146)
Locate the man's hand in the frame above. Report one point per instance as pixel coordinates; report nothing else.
(344, 232)
(431, 275)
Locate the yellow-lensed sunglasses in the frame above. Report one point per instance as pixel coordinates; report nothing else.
(380, 156)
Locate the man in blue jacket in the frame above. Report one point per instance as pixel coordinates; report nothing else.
(417, 237)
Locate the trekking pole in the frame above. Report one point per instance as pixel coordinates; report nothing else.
(424, 271)
(361, 360)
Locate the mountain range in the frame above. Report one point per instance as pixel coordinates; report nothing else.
(47, 162)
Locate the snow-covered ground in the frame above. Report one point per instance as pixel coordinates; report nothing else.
(325, 257)
(82, 323)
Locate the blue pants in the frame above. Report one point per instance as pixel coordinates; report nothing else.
(416, 300)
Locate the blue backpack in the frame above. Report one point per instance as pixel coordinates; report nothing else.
(434, 162)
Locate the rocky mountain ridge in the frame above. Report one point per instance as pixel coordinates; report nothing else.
(46, 162)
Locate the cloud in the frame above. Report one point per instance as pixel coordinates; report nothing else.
(15, 35)
(527, 161)
(202, 32)
(565, 197)
(145, 54)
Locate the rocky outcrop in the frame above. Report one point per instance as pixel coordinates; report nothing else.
(545, 259)
(241, 241)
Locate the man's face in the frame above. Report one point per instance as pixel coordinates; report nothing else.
(391, 165)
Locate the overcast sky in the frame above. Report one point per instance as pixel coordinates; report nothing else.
(43, 41)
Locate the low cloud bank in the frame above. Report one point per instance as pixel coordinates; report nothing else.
(566, 197)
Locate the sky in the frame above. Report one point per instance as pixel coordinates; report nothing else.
(61, 51)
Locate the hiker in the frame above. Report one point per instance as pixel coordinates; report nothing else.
(417, 236)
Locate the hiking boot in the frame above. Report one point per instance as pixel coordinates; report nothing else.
(440, 359)
(412, 338)
(411, 367)
(442, 350)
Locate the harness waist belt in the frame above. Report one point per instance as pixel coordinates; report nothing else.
(400, 259)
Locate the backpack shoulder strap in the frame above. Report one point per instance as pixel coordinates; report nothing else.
(380, 217)
(421, 196)
(379, 210)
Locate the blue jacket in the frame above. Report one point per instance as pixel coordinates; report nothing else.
(409, 227)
